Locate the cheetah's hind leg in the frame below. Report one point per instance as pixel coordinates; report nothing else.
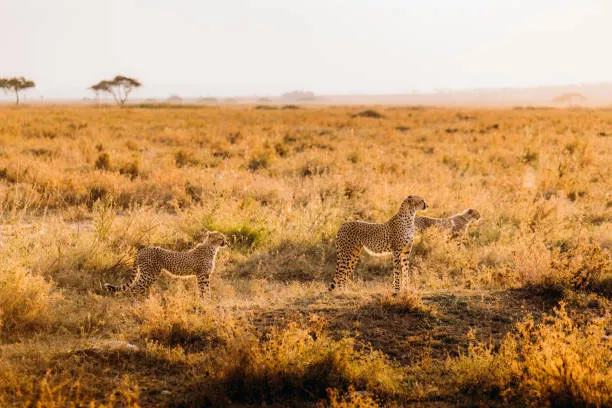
(145, 279)
(345, 265)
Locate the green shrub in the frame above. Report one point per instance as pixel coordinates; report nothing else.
(245, 237)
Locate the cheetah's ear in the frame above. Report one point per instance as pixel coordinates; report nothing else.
(205, 236)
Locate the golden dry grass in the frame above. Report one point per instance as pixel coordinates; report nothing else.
(81, 187)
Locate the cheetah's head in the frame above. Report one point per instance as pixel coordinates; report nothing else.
(217, 239)
(472, 214)
(413, 202)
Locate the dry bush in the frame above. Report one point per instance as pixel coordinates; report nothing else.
(260, 160)
(554, 363)
(292, 107)
(579, 266)
(350, 399)
(405, 302)
(59, 390)
(181, 319)
(131, 169)
(303, 362)
(25, 302)
(369, 113)
(266, 107)
(531, 261)
(183, 158)
(299, 361)
(103, 162)
(584, 267)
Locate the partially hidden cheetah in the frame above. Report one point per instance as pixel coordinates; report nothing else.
(394, 236)
(149, 262)
(457, 223)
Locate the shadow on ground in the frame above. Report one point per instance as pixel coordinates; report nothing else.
(444, 326)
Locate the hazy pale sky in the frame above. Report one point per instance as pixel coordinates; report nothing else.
(240, 47)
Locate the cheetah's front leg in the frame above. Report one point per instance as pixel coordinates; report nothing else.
(397, 271)
(203, 279)
(406, 276)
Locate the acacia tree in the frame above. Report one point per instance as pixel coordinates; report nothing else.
(101, 86)
(16, 85)
(119, 87)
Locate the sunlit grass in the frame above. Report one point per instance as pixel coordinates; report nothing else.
(81, 188)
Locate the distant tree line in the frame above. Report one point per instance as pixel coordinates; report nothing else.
(299, 96)
(119, 87)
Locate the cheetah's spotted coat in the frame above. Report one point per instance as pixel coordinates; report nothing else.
(395, 236)
(458, 223)
(149, 262)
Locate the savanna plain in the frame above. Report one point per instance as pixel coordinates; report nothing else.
(514, 313)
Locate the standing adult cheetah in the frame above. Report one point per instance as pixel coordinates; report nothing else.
(457, 223)
(149, 262)
(395, 236)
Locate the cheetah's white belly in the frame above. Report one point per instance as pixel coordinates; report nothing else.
(373, 253)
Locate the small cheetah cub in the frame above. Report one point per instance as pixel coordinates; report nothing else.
(149, 262)
(457, 224)
(394, 236)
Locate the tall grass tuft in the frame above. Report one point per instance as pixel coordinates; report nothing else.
(555, 363)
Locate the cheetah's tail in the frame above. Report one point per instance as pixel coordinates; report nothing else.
(127, 285)
(116, 288)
